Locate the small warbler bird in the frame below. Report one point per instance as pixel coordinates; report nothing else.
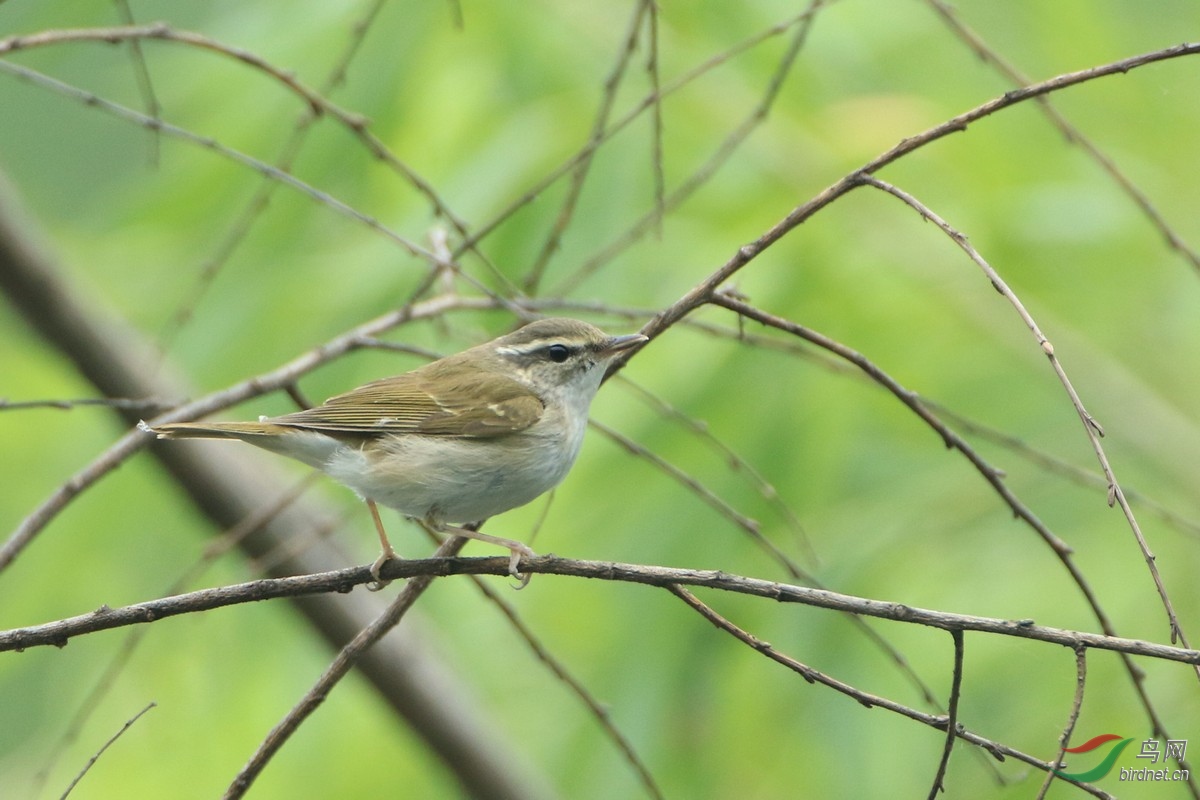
(456, 441)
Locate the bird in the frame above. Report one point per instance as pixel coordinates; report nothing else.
(453, 442)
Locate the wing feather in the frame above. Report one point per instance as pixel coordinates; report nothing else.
(447, 402)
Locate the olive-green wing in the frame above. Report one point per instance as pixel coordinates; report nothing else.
(472, 404)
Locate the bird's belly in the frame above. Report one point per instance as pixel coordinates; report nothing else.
(454, 480)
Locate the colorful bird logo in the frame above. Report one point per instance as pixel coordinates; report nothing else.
(1101, 769)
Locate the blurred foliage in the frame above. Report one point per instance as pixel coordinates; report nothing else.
(483, 112)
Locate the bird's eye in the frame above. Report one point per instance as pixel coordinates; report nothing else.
(558, 353)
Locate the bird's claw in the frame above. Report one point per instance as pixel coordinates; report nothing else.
(514, 564)
(379, 583)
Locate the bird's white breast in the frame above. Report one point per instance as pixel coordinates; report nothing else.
(460, 480)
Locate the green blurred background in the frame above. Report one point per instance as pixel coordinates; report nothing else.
(485, 110)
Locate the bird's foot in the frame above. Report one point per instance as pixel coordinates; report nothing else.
(384, 557)
(516, 550)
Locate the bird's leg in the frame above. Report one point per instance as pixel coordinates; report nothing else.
(387, 555)
(516, 549)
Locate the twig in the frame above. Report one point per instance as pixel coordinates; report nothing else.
(248, 216)
(236, 156)
(1071, 133)
(656, 116)
(112, 670)
(288, 154)
(1058, 466)
(317, 104)
(141, 74)
(1064, 738)
(707, 288)
(750, 526)
(721, 154)
(581, 170)
(733, 460)
(953, 440)
(148, 405)
(58, 633)
(1090, 426)
(866, 699)
(634, 113)
(91, 761)
(576, 687)
(334, 673)
(951, 716)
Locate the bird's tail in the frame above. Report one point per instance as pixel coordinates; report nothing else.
(213, 430)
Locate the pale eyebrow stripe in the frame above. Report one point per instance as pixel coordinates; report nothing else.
(533, 347)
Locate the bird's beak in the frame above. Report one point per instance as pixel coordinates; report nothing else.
(618, 343)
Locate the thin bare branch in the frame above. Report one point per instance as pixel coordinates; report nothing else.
(147, 405)
(574, 685)
(141, 74)
(721, 154)
(991, 474)
(334, 673)
(1090, 426)
(288, 154)
(318, 105)
(161, 31)
(733, 460)
(1069, 131)
(581, 170)
(704, 291)
(951, 717)
(749, 526)
(116, 665)
(130, 115)
(1058, 466)
(997, 750)
(1064, 739)
(656, 116)
(953, 440)
(250, 213)
(112, 739)
(633, 114)
(58, 633)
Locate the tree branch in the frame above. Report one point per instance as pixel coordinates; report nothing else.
(344, 580)
(228, 486)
